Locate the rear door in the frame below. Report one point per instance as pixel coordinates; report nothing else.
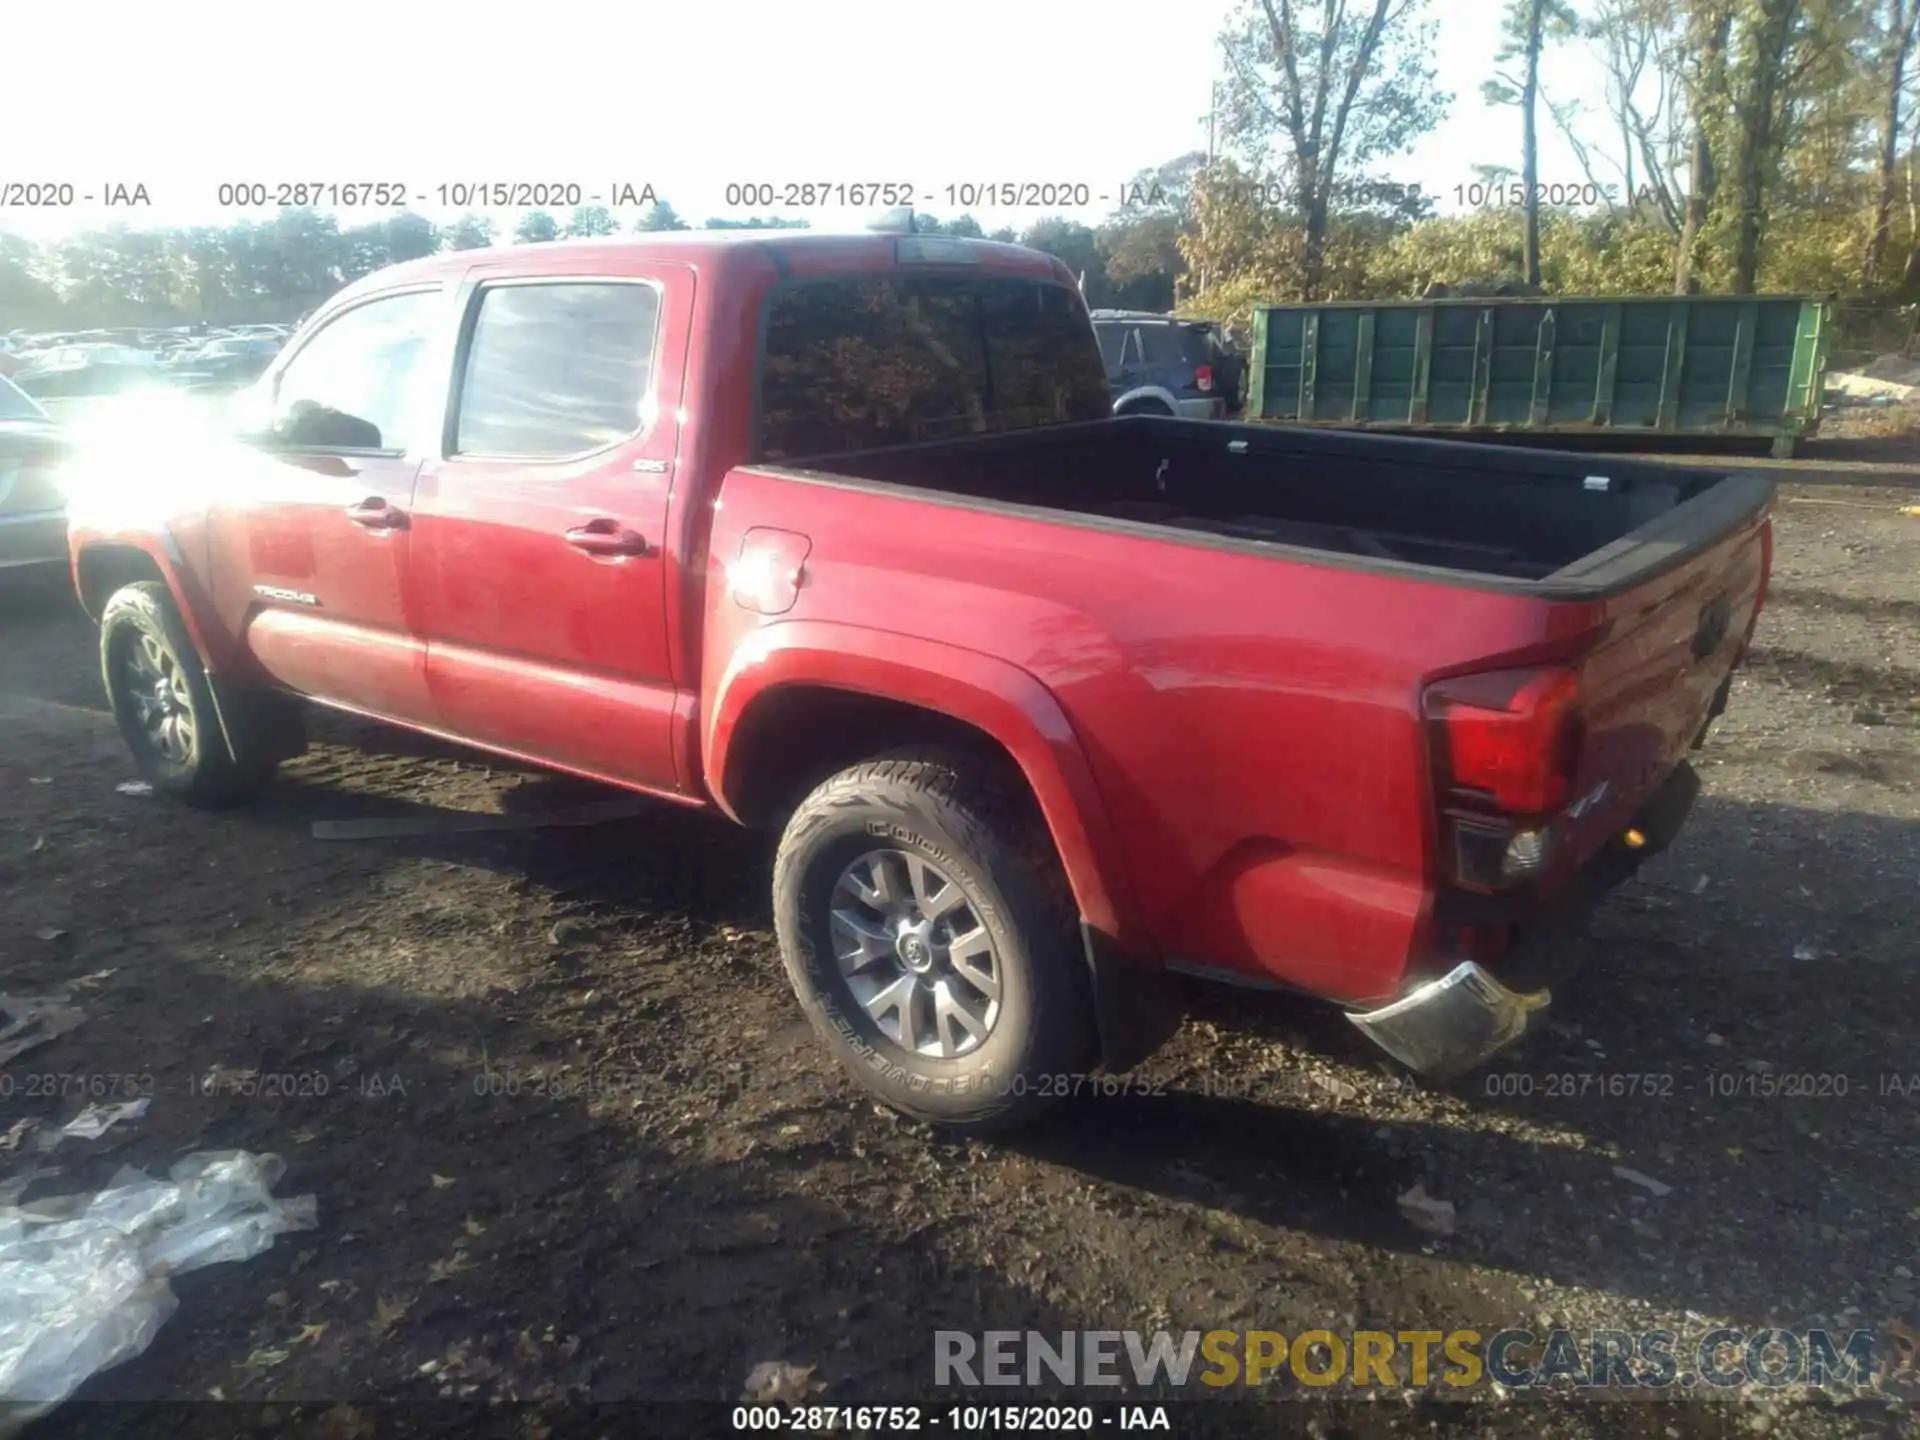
(1174, 355)
(538, 577)
(1130, 371)
(312, 542)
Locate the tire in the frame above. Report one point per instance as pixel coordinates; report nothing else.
(980, 834)
(142, 641)
(1146, 407)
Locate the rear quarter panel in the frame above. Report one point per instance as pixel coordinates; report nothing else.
(1251, 723)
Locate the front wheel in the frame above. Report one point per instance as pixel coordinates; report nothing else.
(929, 933)
(165, 706)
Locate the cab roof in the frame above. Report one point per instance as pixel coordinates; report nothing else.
(810, 251)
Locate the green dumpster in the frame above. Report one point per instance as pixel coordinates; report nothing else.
(1696, 365)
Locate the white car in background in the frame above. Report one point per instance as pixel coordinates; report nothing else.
(33, 511)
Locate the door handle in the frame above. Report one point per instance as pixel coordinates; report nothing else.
(377, 514)
(607, 537)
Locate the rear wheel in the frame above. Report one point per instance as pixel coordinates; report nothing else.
(165, 706)
(929, 933)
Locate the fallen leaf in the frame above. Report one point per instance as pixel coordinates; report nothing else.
(473, 1227)
(1436, 1217)
(94, 1121)
(388, 1311)
(89, 981)
(1644, 1181)
(48, 932)
(263, 1360)
(17, 1132)
(310, 1333)
(134, 787)
(441, 1182)
(40, 779)
(779, 1382)
(216, 1393)
(455, 1264)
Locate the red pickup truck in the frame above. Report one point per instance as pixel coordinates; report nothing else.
(838, 534)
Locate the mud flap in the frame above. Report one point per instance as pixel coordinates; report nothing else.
(257, 722)
(1137, 1005)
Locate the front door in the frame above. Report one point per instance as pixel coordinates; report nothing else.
(311, 551)
(539, 580)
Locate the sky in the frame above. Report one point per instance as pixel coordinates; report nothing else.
(185, 97)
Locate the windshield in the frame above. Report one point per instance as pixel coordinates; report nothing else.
(860, 361)
(16, 404)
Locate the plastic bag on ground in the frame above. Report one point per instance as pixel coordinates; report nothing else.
(83, 1278)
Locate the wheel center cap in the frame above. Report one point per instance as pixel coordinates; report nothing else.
(914, 951)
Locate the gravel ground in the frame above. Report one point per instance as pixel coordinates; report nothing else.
(719, 1196)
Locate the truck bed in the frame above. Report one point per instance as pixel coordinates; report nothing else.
(1557, 523)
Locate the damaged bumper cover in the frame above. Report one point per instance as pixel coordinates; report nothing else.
(1447, 1026)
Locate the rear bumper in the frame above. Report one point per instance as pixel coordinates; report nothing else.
(1447, 1026)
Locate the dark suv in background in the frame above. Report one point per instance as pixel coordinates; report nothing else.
(1160, 365)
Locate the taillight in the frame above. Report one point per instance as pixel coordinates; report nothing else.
(1510, 739)
(1203, 379)
(1505, 745)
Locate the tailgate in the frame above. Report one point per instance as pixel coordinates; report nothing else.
(1659, 676)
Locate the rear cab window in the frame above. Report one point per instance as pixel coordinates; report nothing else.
(557, 368)
(860, 361)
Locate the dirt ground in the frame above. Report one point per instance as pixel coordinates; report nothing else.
(571, 1140)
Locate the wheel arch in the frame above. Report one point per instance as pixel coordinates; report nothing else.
(798, 699)
(104, 564)
(1146, 395)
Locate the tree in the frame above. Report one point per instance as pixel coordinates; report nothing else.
(1526, 28)
(1077, 247)
(591, 220)
(1709, 101)
(535, 226)
(658, 216)
(1896, 21)
(756, 222)
(1332, 92)
(471, 231)
(25, 293)
(1765, 56)
(411, 236)
(1142, 258)
(1641, 43)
